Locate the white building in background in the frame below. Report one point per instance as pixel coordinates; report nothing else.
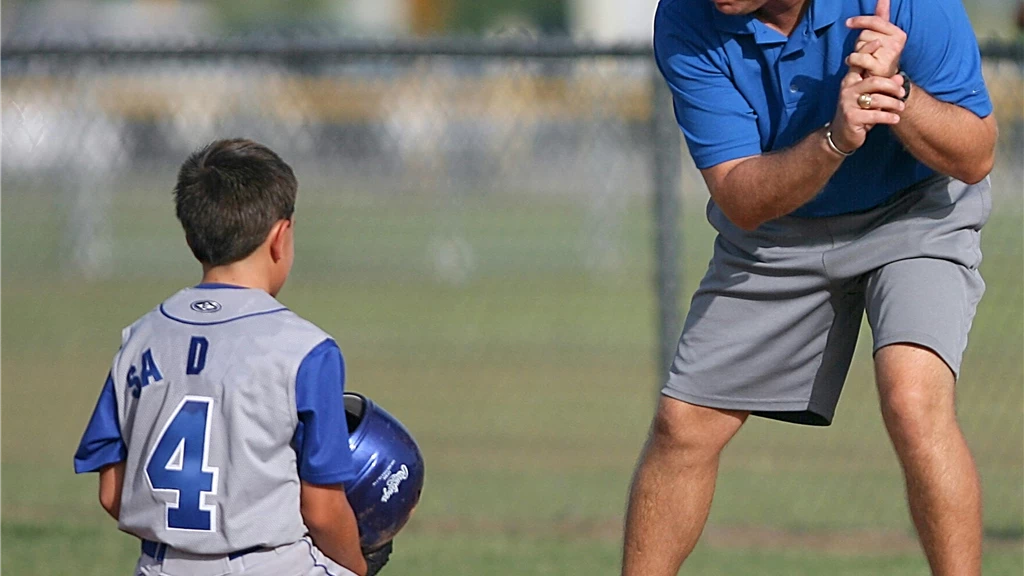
(613, 20)
(373, 17)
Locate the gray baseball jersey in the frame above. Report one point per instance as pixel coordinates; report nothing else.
(216, 428)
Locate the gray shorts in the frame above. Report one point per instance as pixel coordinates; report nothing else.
(773, 325)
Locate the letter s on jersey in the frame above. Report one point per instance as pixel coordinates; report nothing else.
(139, 379)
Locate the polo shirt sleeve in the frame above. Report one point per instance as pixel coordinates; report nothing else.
(717, 121)
(101, 444)
(321, 436)
(942, 55)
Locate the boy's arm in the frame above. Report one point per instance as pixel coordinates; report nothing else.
(324, 458)
(111, 483)
(332, 524)
(102, 449)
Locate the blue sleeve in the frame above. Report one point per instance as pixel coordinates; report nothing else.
(942, 55)
(102, 443)
(718, 122)
(321, 437)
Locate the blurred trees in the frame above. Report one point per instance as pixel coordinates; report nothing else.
(473, 16)
(991, 18)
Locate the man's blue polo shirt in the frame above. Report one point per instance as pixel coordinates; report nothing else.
(743, 89)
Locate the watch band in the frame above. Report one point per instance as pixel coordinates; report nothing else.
(906, 85)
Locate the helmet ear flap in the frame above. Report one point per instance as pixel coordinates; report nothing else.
(390, 471)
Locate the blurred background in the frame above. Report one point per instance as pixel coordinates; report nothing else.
(151, 19)
(500, 226)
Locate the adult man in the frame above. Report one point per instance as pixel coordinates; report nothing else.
(846, 154)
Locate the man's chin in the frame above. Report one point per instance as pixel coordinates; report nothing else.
(732, 7)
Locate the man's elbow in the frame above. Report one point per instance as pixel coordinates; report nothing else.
(977, 171)
(747, 224)
(743, 219)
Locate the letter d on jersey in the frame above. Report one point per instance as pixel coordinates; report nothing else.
(196, 355)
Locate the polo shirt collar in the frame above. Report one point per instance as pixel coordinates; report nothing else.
(822, 13)
(730, 24)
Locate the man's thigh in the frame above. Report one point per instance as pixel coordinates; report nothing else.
(924, 301)
(768, 332)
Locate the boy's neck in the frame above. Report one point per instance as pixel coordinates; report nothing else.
(235, 275)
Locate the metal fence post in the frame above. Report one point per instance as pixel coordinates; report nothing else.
(667, 172)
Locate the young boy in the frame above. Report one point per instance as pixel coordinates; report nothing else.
(220, 434)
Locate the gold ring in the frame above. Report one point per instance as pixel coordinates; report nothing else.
(864, 101)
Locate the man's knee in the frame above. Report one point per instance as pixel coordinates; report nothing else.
(916, 390)
(693, 432)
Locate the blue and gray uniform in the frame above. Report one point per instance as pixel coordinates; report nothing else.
(219, 401)
(773, 325)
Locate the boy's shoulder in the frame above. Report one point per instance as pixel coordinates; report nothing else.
(232, 312)
(221, 305)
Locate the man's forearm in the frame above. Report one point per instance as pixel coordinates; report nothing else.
(765, 187)
(947, 138)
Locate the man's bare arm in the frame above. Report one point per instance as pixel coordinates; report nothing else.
(947, 138)
(753, 190)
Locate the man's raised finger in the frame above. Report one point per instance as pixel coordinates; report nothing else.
(882, 9)
(873, 23)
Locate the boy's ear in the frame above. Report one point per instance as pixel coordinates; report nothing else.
(277, 237)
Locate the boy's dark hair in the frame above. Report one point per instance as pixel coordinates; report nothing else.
(229, 195)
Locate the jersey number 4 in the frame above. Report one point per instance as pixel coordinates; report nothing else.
(178, 465)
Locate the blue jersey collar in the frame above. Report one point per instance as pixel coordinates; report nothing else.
(219, 286)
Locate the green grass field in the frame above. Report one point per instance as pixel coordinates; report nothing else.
(529, 386)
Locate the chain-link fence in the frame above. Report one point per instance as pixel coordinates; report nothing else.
(460, 202)
(448, 119)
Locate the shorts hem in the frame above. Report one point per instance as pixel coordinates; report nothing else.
(921, 339)
(758, 407)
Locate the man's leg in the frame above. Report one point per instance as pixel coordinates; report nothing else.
(916, 389)
(673, 485)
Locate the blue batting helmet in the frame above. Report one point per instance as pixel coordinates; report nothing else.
(389, 480)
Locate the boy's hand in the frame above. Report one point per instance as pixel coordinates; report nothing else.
(376, 559)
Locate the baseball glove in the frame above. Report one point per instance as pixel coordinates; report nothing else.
(376, 559)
